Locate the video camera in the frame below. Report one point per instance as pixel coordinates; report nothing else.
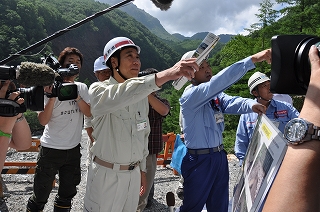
(62, 90)
(290, 67)
(33, 96)
(33, 100)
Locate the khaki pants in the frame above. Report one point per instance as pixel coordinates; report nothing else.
(151, 170)
(111, 190)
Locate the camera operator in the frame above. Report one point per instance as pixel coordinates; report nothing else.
(297, 185)
(60, 142)
(14, 131)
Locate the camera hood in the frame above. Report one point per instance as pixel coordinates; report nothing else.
(290, 67)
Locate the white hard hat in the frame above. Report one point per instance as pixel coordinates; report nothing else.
(99, 64)
(256, 79)
(117, 43)
(188, 55)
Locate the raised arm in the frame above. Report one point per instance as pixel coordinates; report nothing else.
(182, 68)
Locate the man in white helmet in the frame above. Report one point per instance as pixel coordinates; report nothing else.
(278, 112)
(102, 72)
(117, 174)
(204, 168)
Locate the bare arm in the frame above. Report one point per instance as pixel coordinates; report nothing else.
(158, 105)
(21, 135)
(45, 115)
(296, 187)
(89, 132)
(84, 107)
(9, 126)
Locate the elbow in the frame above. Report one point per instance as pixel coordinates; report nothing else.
(43, 122)
(165, 111)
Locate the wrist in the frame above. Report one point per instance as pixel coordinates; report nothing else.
(20, 118)
(3, 134)
(78, 99)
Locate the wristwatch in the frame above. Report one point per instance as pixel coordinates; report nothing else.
(299, 130)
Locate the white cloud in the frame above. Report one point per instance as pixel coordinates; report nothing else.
(188, 17)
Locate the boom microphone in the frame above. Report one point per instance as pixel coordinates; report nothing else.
(162, 4)
(29, 74)
(170, 201)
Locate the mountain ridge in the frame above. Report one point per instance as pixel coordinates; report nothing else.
(154, 25)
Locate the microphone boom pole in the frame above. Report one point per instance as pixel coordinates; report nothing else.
(61, 32)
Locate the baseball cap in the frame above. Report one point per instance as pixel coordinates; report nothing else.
(99, 64)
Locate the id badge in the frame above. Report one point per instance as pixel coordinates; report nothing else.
(219, 117)
(141, 125)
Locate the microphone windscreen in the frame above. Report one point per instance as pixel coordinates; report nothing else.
(35, 74)
(170, 199)
(162, 4)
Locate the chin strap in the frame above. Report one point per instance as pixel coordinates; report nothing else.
(121, 75)
(264, 99)
(259, 97)
(119, 72)
(193, 81)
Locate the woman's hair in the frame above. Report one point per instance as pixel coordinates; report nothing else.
(68, 51)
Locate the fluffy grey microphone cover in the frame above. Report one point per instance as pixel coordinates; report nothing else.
(35, 74)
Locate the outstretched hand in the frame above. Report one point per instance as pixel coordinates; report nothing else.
(264, 55)
(259, 108)
(182, 68)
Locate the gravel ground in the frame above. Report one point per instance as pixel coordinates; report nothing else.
(17, 188)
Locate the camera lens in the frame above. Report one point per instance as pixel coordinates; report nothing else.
(66, 91)
(33, 97)
(302, 63)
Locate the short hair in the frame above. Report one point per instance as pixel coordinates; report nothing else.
(68, 51)
(147, 72)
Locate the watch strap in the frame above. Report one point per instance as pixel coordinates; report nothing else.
(313, 132)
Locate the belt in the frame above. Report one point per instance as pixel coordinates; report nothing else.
(131, 166)
(205, 151)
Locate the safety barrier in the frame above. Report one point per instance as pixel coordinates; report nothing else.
(19, 167)
(164, 158)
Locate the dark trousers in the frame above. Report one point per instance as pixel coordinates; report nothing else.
(206, 181)
(50, 162)
(151, 193)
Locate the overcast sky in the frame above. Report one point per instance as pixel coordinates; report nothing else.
(188, 17)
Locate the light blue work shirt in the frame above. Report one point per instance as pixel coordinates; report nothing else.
(278, 112)
(200, 126)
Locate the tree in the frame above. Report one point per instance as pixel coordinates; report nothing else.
(300, 16)
(267, 17)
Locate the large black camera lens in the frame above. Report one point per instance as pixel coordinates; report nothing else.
(290, 68)
(302, 63)
(33, 97)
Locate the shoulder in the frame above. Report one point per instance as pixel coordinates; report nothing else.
(282, 103)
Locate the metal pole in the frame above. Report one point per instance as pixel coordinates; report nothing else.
(61, 32)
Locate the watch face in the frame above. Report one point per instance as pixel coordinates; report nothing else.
(295, 130)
